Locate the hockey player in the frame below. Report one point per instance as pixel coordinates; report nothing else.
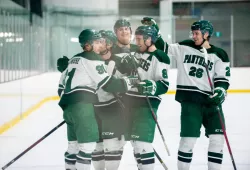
(153, 65)
(121, 55)
(121, 47)
(84, 75)
(110, 119)
(123, 31)
(198, 103)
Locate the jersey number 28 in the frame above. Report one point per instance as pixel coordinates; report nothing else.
(196, 72)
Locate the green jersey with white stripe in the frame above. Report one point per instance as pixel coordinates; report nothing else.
(192, 79)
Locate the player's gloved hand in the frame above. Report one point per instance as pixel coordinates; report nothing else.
(128, 64)
(131, 81)
(130, 60)
(218, 97)
(147, 87)
(62, 63)
(151, 22)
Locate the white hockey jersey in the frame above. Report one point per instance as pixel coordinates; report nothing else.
(84, 75)
(192, 79)
(152, 66)
(105, 98)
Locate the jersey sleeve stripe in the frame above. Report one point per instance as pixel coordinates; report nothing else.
(103, 82)
(166, 83)
(221, 80)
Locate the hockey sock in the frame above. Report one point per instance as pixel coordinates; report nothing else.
(112, 160)
(83, 158)
(112, 152)
(70, 155)
(215, 151)
(144, 154)
(185, 152)
(98, 159)
(147, 161)
(137, 157)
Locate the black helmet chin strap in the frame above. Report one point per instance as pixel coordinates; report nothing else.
(203, 40)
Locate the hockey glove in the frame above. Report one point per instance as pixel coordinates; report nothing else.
(129, 64)
(131, 81)
(62, 63)
(147, 87)
(151, 22)
(218, 97)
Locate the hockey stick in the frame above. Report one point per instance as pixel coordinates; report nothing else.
(151, 109)
(218, 111)
(33, 145)
(160, 160)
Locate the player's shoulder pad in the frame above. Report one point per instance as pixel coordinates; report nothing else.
(89, 56)
(162, 56)
(222, 54)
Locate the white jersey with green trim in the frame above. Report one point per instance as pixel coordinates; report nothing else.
(192, 76)
(84, 74)
(106, 98)
(153, 66)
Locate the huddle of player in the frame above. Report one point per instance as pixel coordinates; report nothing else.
(110, 90)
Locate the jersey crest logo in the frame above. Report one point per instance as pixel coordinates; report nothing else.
(100, 69)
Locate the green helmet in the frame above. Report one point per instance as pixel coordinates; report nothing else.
(109, 36)
(204, 26)
(122, 23)
(88, 36)
(147, 31)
